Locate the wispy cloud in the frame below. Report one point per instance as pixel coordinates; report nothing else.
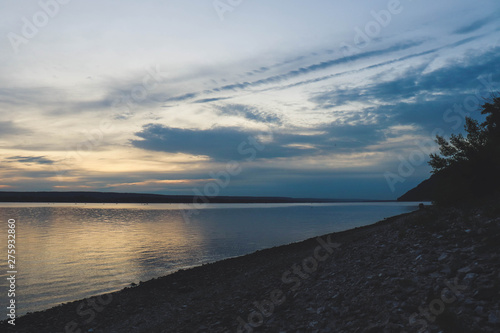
(320, 66)
(31, 159)
(248, 112)
(161, 182)
(182, 98)
(452, 79)
(299, 71)
(478, 24)
(9, 128)
(209, 100)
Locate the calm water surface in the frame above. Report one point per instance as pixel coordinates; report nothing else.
(66, 252)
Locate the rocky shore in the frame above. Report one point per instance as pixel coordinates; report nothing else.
(434, 270)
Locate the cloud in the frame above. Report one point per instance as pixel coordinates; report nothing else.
(230, 143)
(447, 82)
(9, 128)
(161, 182)
(31, 159)
(219, 143)
(264, 69)
(316, 67)
(321, 66)
(378, 65)
(22, 96)
(476, 25)
(210, 100)
(248, 112)
(182, 97)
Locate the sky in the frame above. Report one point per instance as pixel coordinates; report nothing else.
(318, 99)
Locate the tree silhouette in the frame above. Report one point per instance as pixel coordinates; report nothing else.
(459, 149)
(469, 166)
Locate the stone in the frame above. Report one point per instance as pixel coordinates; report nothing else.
(442, 257)
(465, 269)
(493, 318)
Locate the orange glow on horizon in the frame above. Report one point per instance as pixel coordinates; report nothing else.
(159, 182)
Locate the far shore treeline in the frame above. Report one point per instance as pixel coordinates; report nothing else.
(112, 197)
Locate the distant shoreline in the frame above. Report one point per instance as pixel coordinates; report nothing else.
(114, 197)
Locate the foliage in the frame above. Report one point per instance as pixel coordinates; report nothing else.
(469, 166)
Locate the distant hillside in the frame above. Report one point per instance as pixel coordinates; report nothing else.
(456, 185)
(425, 191)
(111, 197)
(447, 186)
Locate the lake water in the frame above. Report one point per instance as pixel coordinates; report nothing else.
(66, 252)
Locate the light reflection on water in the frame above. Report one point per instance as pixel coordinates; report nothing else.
(66, 252)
